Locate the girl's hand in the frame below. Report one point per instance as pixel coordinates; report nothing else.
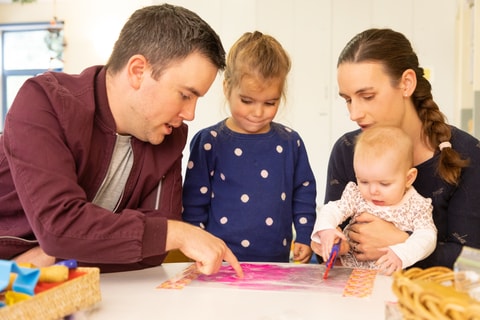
(302, 253)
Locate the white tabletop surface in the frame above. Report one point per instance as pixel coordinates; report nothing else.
(133, 295)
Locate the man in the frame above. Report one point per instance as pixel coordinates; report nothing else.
(90, 164)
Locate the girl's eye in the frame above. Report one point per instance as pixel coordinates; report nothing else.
(368, 97)
(270, 103)
(245, 101)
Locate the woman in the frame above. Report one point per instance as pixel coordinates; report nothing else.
(382, 83)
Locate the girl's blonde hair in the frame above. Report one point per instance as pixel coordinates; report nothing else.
(259, 55)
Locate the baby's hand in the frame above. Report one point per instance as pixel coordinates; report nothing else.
(328, 238)
(389, 262)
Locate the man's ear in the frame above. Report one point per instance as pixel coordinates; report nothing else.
(136, 68)
(408, 82)
(411, 176)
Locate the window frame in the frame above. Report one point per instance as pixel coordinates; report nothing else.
(19, 27)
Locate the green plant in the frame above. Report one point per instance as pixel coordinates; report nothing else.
(24, 1)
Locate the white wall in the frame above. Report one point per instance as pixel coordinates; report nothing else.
(313, 31)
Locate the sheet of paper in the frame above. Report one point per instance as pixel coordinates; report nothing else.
(262, 276)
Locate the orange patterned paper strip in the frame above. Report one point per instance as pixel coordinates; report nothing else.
(182, 279)
(360, 283)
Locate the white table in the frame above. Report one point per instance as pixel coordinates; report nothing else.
(133, 295)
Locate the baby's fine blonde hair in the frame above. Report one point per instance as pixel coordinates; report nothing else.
(380, 140)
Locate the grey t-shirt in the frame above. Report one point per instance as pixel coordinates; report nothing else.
(111, 190)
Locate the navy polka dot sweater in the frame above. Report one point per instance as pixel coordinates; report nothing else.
(248, 189)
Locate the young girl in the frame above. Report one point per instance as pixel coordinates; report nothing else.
(382, 161)
(248, 178)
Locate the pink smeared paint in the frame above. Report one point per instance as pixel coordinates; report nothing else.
(279, 277)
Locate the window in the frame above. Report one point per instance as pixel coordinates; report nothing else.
(27, 50)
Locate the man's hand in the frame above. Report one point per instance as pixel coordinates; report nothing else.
(35, 256)
(369, 234)
(206, 250)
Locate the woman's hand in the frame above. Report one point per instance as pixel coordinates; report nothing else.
(370, 234)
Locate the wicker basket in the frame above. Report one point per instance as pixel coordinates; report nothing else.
(65, 299)
(430, 294)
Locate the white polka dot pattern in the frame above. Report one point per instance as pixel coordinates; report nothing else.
(245, 243)
(251, 187)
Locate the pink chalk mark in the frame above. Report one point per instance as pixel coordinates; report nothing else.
(282, 276)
